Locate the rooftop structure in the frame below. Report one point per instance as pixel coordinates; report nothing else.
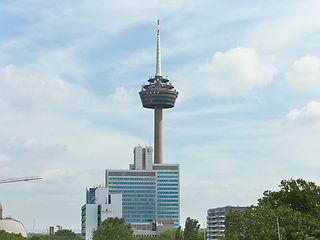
(158, 94)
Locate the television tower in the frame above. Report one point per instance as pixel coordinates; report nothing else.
(158, 94)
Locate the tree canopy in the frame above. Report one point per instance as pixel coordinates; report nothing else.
(60, 235)
(113, 229)
(10, 236)
(299, 195)
(191, 229)
(178, 234)
(295, 206)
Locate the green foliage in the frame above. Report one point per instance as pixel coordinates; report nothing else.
(295, 205)
(166, 235)
(10, 236)
(113, 229)
(201, 234)
(178, 234)
(60, 235)
(299, 195)
(38, 237)
(66, 233)
(191, 229)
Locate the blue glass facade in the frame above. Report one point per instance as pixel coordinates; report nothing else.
(90, 195)
(168, 196)
(148, 196)
(138, 194)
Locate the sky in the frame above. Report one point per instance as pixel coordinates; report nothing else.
(247, 115)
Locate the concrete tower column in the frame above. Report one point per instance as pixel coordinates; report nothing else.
(158, 136)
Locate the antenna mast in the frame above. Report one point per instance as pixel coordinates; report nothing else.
(158, 58)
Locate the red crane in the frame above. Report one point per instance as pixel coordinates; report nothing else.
(21, 179)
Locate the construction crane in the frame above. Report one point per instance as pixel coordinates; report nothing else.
(22, 179)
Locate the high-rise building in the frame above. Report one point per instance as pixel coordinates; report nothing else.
(100, 205)
(216, 220)
(150, 193)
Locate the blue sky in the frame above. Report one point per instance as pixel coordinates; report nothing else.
(247, 116)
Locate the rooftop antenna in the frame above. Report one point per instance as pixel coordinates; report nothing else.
(158, 58)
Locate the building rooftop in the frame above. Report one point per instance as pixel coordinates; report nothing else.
(12, 225)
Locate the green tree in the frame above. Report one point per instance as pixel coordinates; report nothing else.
(166, 235)
(113, 229)
(10, 236)
(191, 229)
(257, 222)
(60, 235)
(178, 234)
(39, 237)
(201, 234)
(296, 221)
(298, 194)
(65, 234)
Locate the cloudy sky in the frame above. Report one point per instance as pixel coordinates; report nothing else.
(247, 116)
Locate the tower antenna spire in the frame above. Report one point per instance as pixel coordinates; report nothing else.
(158, 58)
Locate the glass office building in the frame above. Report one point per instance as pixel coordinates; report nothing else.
(168, 193)
(150, 192)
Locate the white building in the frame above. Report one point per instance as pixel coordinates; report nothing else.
(11, 225)
(216, 218)
(100, 205)
(142, 158)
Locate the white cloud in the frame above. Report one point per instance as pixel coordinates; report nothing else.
(25, 88)
(122, 94)
(97, 16)
(54, 174)
(4, 164)
(297, 137)
(309, 114)
(236, 72)
(304, 75)
(4, 158)
(16, 144)
(286, 26)
(59, 62)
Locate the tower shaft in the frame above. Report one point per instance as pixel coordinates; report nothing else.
(158, 136)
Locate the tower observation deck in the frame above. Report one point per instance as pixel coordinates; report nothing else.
(158, 94)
